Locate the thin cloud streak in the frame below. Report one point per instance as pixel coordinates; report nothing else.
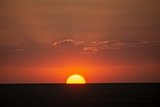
(82, 47)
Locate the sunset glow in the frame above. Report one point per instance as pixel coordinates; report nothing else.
(107, 41)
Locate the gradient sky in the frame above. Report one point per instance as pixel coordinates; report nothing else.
(103, 40)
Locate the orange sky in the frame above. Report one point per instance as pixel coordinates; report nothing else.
(103, 40)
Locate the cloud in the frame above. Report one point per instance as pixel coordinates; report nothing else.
(63, 42)
(82, 47)
(89, 50)
(95, 47)
(101, 52)
(68, 45)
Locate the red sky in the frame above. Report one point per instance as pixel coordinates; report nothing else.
(103, 40)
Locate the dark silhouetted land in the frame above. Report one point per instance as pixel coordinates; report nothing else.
(88, 95)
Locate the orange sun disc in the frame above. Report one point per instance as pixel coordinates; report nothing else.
(75, 79)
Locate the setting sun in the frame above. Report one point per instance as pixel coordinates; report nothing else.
(75, 79)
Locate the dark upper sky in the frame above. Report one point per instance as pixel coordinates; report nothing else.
(49, 20)
(112, 40)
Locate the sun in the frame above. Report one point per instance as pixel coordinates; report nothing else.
(75, 79)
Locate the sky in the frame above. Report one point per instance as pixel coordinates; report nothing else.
(105, 41)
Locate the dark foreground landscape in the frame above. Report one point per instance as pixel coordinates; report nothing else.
(88, 95)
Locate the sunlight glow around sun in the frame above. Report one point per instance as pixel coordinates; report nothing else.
(75, 79)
